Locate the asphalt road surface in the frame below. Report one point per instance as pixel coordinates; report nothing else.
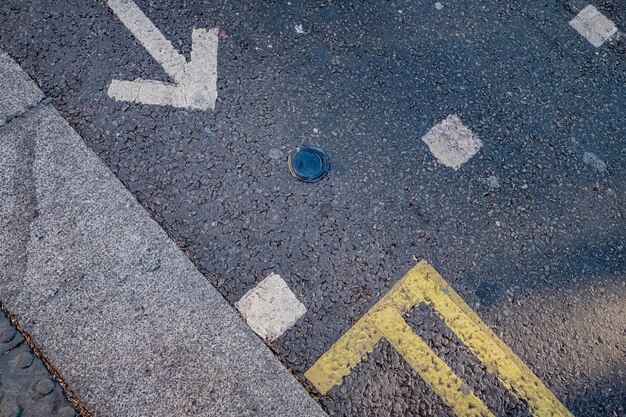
(529, 231)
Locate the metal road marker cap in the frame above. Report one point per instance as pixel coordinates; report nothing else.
(309, 164)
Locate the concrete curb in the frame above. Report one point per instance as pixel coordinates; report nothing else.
(133, 327)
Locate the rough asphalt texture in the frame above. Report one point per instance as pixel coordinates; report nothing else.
(26, 387)
(132, 326)
(530, 231)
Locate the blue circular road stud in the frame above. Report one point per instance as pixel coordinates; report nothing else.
(309, 164)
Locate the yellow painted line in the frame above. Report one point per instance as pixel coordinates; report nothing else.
(429, 366)
(344, 356)
(385, 320)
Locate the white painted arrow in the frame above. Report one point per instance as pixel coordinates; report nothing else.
(195, 81)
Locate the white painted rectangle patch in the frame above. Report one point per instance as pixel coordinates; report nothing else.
(451, 142)
(270, 308)
(593, 25)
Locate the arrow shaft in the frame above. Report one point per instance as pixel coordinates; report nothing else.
(151, 92)
(149, 37)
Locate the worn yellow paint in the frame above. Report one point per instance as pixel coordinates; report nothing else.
(385, 320)
(430, 367)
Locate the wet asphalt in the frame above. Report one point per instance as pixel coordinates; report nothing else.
(530, 231)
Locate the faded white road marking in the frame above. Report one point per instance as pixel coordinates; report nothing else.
(451, 142)
(195, 81)
(593, 25)
(270, 308)
(594, 161)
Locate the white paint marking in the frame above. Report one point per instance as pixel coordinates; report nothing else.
(594, 26)
(270, 308)
(451, 142)
(195, 81)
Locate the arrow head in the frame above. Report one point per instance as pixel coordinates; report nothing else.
(195, 87)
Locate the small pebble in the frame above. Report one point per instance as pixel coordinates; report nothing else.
(7, 333)
(492, 181)
(44, 386)
(24, 360)
(594, 161)
(276, 154)
(10, 410)
(66, 411)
